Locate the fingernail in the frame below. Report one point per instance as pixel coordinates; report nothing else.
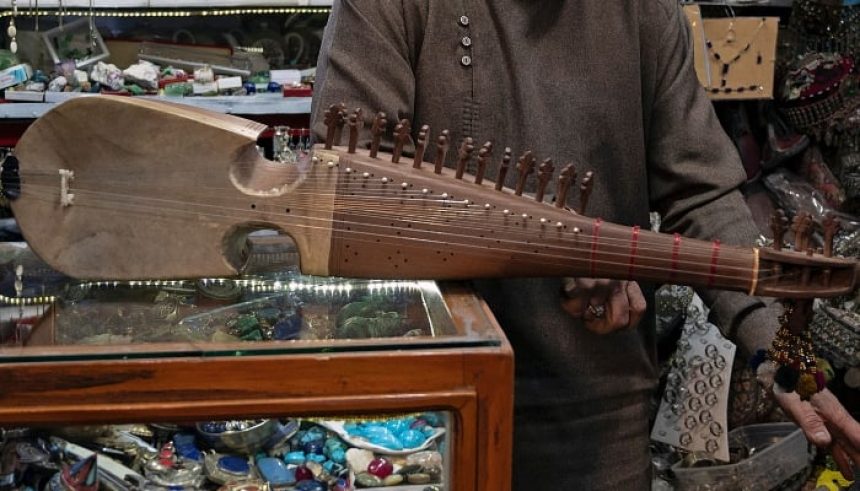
(821, 438)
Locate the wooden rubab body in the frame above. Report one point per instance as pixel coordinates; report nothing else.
(149, 190)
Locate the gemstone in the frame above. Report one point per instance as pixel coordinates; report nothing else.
(418, 478)
(392, 480)
(303, 473)
(276, 472)
(367, 480)
(295, 458)
(234, 464)
(412, 438)
(380, 468)
(314, 447)
(310, 485)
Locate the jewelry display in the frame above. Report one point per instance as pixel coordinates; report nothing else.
(693, 410)
(735, 57)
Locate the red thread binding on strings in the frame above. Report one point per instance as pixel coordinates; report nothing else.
(634, 249)
(715, 256)
(595, 236)
(676, 252)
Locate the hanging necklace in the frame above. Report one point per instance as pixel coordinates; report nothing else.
(12, 31)
(726, 62)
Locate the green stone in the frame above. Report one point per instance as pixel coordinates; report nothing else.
(368, 480)
(418, 478)
(392, 480)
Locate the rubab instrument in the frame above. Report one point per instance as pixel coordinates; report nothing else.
(149, 190)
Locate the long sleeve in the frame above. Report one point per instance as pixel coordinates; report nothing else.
(694, 173)
(366, 60)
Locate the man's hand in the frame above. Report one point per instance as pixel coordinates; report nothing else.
(604, 305)
(826, 424)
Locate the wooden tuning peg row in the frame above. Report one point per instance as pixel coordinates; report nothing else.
(421, 146)
(831, 227)
(484, 156)
(330, 121)
(585, 191)
(565, 179)
(340, 118)
(442, 144)
(380, 121)
(401, 137)
(355, 122)
(526, 165)
(545, 170)
(802, 227)
(778, 227)
(464, 156)
(503, 168)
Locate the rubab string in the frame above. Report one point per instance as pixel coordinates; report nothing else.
(550, 234)
(122, 201)
(430, 216)
(477, 211)
(481, 214)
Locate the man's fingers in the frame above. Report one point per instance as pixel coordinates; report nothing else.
(832, 411)
(843, 461)
(637, 303)
(806, 417)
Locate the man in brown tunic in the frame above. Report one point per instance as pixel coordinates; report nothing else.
(608, 85)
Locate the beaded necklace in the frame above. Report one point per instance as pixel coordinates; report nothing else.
(726, 63)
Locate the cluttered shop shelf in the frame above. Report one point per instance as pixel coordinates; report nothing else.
(250, 58)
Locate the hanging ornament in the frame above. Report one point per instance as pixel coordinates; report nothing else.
(92, 27)
(12, 31)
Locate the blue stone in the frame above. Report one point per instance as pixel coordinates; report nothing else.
(432, 419)
(313, 447)
(295, 458)
(380, 435)
(412, 438)
(234, 464)
(276, 472)
(397, 426)
(310, 485)
(338, 455)
(288, 328)
(250, 87)
(314, 433)
(186, 446)
(317, 457)
(274, 87)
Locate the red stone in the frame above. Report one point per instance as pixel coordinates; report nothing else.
(303, 473)
(380, 468)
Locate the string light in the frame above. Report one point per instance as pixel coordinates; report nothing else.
(174, 13)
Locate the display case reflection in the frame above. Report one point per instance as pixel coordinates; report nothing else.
(44, 308)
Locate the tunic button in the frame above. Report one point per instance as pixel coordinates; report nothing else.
(466, 41)
(466, 60)
(464, 21)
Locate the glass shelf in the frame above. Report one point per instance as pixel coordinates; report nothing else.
(275, 310)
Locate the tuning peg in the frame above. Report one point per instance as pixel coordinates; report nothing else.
(353, 132)
(330, 120)
(484, 156)
(802, 227)
(401, 136)
(340, 118)
(565, 179)
(421, 146)
(503, 169)
(778, 227)
(442, 144)
(526, 165)
(545, 170)
(585, 191)
(380, 121)
(465, 155)
(831, 227)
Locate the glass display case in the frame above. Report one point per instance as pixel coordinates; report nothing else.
(262, 381)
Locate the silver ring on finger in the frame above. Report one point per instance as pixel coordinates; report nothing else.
(597, 311)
